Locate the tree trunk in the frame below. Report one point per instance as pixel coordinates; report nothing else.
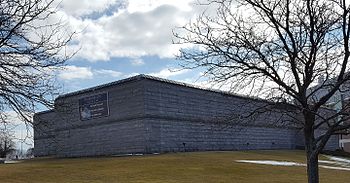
(311, 156)
(311, 148)
(312, 168)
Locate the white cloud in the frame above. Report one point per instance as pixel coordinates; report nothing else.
(73, 72)
(85, 7)
(121, 28)
(130, 35)
(108, 72)
(137, 62)
(131, 74)
(149, 5)
(166, 73)
(136, 29)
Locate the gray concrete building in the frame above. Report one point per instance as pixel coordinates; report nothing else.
(145, 114)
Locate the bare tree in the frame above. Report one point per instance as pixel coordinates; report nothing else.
(7, 144)
(32, 48)
(30, 152)
(294, 51)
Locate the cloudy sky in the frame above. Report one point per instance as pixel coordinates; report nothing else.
(117, 39)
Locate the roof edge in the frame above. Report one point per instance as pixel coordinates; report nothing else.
(133, 78)
(206, 89)
(144, 76)
(44, 112)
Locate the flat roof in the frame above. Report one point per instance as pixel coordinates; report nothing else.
(143, 76)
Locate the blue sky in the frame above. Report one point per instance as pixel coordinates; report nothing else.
(83, 74)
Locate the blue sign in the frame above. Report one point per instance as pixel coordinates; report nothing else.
(94, 106)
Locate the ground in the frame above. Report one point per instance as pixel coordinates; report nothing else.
(196, 167)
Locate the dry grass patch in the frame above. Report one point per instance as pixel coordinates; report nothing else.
(195, 167)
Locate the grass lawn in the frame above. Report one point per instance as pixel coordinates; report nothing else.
(197, 167)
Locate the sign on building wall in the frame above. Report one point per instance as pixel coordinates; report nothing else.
(94, 106)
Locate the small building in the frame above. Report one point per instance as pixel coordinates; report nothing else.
(340, 101)
(145, 114)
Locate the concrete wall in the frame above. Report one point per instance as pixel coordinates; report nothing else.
(174, 136)
(206, 120)
(151, 115)
(105, 139)
(171, 101)
(44, 134)
(62, 133)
